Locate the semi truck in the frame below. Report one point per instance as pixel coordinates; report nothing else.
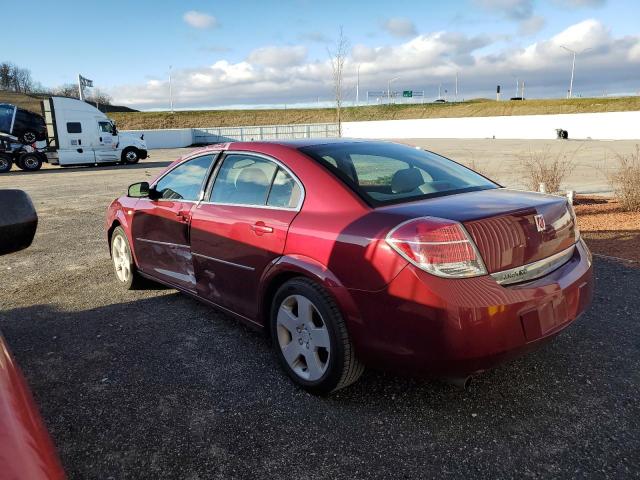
(76, 134)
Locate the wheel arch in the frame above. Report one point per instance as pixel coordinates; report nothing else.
(293, 266)
(120, 220)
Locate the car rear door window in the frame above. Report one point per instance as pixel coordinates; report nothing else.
(185, 182)
(244, 180)
(285, 191)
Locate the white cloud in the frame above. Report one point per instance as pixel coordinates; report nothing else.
(278, 56)
(582, 3)
(532, 25)
(314, 36)
(399, 27)
(200, 20)
(513, 9)
(272, 74)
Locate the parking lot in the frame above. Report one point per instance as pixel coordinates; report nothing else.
(153, 384)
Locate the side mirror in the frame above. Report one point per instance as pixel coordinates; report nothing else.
(138, 190)
(114, 129)
(18, 221)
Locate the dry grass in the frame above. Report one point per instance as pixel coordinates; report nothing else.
(472, 108)
(483, 170)
(625, 181)
(542, 167)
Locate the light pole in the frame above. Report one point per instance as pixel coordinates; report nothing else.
(170, 90)
(358, 86)
(573, 66)
(389, 88)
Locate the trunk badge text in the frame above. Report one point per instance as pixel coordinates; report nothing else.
(540, 223)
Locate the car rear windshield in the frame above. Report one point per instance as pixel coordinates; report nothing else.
(385, 173)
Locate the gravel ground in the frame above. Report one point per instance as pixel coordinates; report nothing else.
(153, 384)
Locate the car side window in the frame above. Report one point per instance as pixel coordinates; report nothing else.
(243, 180)
(285, 191)
(185, 182)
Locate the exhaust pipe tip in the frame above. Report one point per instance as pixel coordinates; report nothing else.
(461, 383)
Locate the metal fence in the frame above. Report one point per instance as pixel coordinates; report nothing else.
(265, 132)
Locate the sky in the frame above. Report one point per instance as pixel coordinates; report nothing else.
(256, 54)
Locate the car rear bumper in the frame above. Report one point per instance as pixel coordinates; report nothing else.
(422, 324)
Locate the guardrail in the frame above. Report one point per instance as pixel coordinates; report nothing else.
(265, 132)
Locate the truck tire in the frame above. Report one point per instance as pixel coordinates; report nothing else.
(29, 162)
(6, 163)
(28, 137)
(130, 155)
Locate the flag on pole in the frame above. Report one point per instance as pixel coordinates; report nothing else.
(83, 82)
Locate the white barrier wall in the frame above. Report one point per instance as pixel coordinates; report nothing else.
(598, 126)
(167, 138)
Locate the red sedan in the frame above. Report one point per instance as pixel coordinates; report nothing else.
(353, 253)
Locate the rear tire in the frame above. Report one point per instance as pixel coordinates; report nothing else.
(6, 162)
(29, 162)
(130, 156)
(310, 338)
(123, 265)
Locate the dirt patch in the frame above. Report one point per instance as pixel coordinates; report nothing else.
(608, 229)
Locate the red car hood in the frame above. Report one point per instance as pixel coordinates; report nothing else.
(26, 451)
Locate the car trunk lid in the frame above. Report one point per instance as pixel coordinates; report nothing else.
(510, 228)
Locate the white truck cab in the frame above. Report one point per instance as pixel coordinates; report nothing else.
(78, 133)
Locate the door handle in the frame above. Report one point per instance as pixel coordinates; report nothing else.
(260, 228)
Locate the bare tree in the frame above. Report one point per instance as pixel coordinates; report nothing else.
(71, 90)
(338, 57)
(15, 79)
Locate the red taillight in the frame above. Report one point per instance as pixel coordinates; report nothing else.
(437, 246)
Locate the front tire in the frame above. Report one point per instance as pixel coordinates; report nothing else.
(311, 339)
(130, 156)
(123, 264)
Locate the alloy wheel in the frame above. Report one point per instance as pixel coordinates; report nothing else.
(303, 337)
(121, 258)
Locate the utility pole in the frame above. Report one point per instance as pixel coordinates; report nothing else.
(456, 86)
(170, 90)
(389, 88)
(573, 66)
(358, 86)
(439, 91)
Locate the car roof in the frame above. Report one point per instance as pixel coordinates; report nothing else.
(294, 143)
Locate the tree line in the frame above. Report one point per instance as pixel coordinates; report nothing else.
(14, 78)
